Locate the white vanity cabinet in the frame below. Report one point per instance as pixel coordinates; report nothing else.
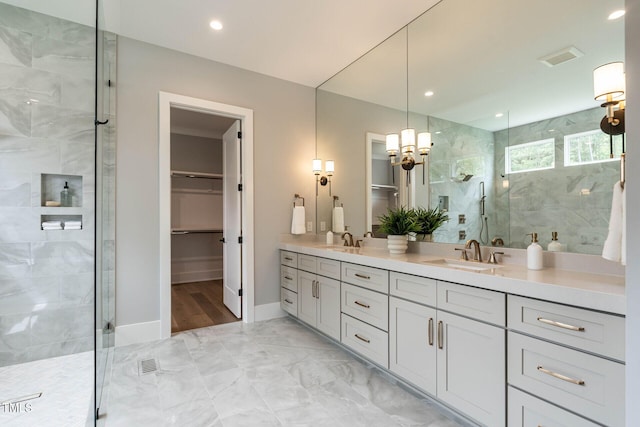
(289, 282)
(319, 294)
(563, 355)
(459, 360)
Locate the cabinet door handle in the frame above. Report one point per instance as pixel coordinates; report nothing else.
(288, 258)
(362, 339)
(288, 278)
(361, 304)
(431, 331)
(560, 376)
(363, 276)
(288, 301)
(440, 335)
(317, 289)
(560, 324)
(313, 288)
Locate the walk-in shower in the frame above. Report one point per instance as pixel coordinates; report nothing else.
(56, 253)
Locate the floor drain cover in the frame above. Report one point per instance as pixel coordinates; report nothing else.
(147, 366)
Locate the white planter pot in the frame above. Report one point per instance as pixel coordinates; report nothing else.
(397, 244)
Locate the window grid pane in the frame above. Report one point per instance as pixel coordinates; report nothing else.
(589, 147)
(532, 156)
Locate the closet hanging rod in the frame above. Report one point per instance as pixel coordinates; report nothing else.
(296, 197)
(177, 232)
(188, 174)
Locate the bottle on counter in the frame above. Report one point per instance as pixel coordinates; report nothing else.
(534, 253)
(65, 196)
(554, 245)
(329, 237)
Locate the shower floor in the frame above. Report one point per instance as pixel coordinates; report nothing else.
(66, 384)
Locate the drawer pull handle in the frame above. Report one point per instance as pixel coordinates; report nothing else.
(560, 376)
(288, 278)
(440, 335)
(362, 339)
(288, 258)
(313, 289)
(431, 331)
(288, 301)
(363, 276)
(361, 304)
(560, 324)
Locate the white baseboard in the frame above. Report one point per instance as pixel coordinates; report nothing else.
(137, 333)
(197, 276)
(268, 311)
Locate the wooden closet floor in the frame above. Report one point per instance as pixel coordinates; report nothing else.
(198, 304)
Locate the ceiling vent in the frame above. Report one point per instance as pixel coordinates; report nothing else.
(561, 56)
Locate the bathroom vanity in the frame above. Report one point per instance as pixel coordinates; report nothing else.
(499, 344)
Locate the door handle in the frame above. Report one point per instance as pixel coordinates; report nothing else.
(431, 331)
(313, 288)
(440, 335)
(223, 241)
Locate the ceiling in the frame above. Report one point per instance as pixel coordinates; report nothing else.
(303, 41)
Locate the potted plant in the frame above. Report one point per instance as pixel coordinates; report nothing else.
(397, 224)
(428, 220)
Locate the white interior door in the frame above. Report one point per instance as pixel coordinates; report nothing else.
(232, 225)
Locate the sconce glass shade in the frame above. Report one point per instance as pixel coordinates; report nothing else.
(393, 144)
(608, 81)
(330, 167)
(408, 140)
(424, 142)
(317, 166)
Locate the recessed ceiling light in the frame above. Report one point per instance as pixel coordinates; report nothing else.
(616, 14)
(428, 93)
(498, 115)
(216, 25)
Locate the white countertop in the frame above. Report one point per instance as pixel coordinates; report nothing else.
(595, 291)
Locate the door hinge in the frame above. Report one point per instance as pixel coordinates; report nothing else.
(240, 239)
(239, 187)
(109, 83)
(239, 292)
(239, 135)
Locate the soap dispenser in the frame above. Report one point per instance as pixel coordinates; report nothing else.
(554, 245)
(65, 196)
(534, 253)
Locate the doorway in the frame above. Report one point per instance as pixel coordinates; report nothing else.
(206, 245)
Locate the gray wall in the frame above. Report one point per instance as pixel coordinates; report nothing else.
(284, 135)
(46, 277)
(632, 29)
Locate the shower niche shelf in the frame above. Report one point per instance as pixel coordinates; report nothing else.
(64, 219)
(52, 184)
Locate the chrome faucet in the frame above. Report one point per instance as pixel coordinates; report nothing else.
(349, 241)
(477, 254)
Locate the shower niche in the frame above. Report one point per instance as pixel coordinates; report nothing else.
(57, 210)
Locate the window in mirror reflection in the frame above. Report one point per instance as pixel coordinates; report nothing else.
(531, 156)
(589, 147)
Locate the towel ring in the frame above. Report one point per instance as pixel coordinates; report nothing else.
(296, 197)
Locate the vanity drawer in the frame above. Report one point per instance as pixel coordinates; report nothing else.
(289, 278)
(368, 277)
(528, 411)
(580, 382)
(481, 304)
(414, 288)
(289, 258)
(289, 301)
(366, 305)
(307, 263)
(328, 268)
(576, 327)
(370, 342)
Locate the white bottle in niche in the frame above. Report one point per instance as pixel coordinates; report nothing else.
(534, 253)
(554, 245)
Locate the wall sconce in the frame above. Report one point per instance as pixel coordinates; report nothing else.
(408, 147)
(317, 171)
(609, 86)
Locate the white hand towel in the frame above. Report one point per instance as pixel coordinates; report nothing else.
(52, 223)
(614, 248)
(337, 219)
(297, 222)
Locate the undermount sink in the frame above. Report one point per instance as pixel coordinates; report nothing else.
(466, 265)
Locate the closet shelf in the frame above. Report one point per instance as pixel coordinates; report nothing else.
(189, 174)
(383, 187)
(195, 230)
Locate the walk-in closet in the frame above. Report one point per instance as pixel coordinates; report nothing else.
(197, 208)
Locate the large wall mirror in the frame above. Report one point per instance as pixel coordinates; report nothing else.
(517, 145)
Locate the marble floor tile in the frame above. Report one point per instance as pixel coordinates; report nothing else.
(273, 373)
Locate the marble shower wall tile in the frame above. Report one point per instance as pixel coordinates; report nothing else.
(46, 127)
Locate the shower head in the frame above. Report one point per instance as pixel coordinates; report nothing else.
(467, 178)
